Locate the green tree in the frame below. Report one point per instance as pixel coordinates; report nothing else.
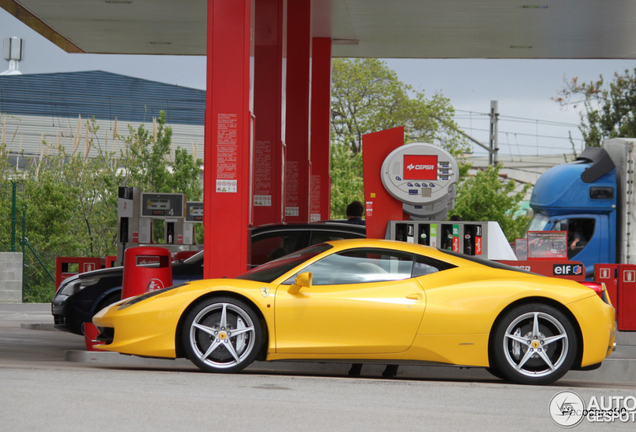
(185, 176)
(7, 177)
(485, 197)
(145, 156)
(147, 162)
(94, 184)
(367, 96)
(52, 223)
(346, 180)
(609, 109)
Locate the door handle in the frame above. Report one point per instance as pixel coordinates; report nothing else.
(415, 296)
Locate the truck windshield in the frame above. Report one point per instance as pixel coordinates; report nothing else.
(537, 223)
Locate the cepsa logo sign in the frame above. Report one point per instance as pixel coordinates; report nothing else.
(420, 167)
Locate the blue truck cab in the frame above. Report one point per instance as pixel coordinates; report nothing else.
(581, 198)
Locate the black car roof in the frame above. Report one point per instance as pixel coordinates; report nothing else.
(314, 226)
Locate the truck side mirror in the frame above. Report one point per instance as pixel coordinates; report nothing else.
(303, 280)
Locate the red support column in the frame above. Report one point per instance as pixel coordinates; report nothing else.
(298, 168)
(228, 130)
(269, 108)
(380, 206)
(320, 129)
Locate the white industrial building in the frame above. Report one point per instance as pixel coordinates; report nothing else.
(54, 108)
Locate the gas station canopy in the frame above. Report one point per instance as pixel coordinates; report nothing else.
(566, 29)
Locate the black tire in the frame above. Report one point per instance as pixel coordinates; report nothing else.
(533, 344)
(496, 373)
(222, 334)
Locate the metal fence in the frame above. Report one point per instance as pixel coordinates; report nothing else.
(38, 283)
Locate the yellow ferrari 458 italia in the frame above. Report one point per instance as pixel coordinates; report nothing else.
(376, 301)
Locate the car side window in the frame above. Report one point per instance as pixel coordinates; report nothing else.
(424, 266)
(360, 266)
(269, 247)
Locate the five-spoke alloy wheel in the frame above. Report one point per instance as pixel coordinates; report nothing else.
(533, 344)
(222, 335)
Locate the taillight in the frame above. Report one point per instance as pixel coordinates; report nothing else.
(599, 288)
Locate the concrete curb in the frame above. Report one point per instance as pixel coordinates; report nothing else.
(39, 326)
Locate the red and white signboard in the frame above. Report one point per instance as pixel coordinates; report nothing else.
(604, 273)
(227, 153)
(420, 167)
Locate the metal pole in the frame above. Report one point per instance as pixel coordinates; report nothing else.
(23, 241)
(494, 133)
(13, 190)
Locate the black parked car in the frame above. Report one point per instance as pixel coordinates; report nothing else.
(80, 297)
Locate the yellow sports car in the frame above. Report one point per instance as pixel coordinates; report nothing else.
(375, 301)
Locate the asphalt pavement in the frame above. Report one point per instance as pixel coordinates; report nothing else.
(48, 381)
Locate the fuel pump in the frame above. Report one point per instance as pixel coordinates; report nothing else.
(483, 239)
(424, 178)
(194, 215)
(128, 208)
(137, 212)
(168, 207)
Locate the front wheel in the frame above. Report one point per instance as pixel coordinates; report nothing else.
(222, 335)
(496, 373)
(534, 344)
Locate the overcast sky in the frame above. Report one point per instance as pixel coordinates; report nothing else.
(523, 88)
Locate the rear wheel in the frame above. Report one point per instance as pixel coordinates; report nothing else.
(222, 335)
(534, 344)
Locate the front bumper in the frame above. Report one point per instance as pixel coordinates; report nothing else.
(143, 329)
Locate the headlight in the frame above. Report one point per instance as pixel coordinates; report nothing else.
(75, 286)
(146, 296)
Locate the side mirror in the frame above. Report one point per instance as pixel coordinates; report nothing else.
(303, 280)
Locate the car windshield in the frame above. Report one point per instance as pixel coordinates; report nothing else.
(272, 270)
(194, 258)
(538, 223)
